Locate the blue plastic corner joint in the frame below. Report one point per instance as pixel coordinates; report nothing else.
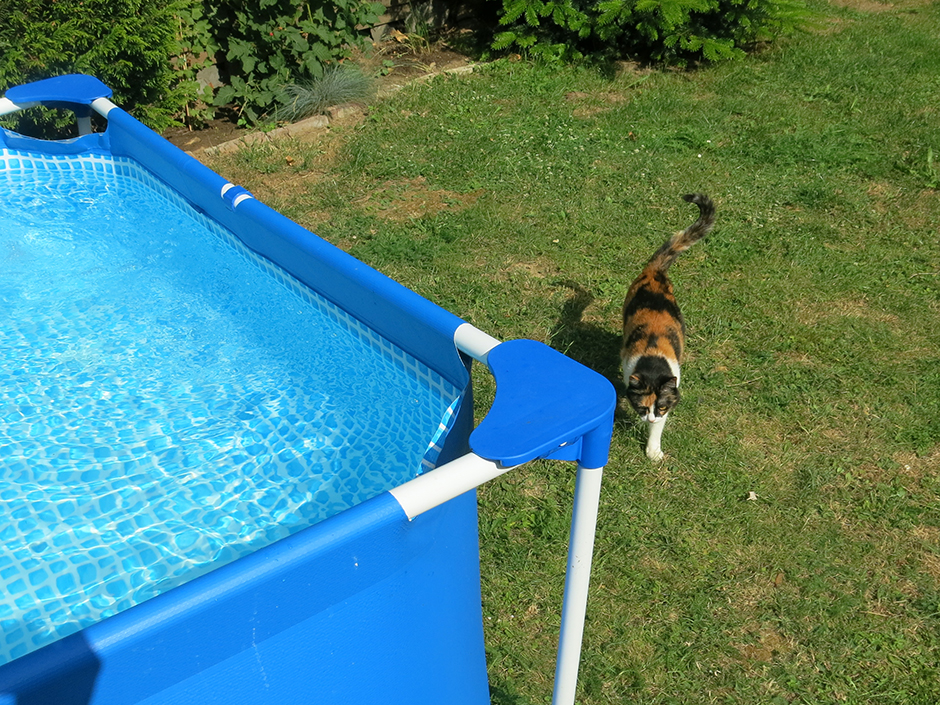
(546, 405)
(76, 88)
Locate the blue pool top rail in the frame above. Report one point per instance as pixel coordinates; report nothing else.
(76, 92)
(75, 89)
(546, 405)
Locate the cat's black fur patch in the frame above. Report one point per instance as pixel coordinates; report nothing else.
(652, 301)
(638, 334)
(653, 369)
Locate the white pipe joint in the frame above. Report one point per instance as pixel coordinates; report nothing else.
(474, 342)
(7, 106)
(102, 106)
(445, 482)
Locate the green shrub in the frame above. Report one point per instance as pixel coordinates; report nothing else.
(675, 31)
(127, 44)
(268, 44)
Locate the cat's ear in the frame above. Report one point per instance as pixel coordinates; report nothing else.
(635, 381)
(670, 385)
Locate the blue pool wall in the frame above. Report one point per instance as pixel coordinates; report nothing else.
(363, 607)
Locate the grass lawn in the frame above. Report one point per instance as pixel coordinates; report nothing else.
(525, 199)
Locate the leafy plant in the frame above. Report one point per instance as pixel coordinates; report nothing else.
(274, 43)
(677, 31)
(195, 51)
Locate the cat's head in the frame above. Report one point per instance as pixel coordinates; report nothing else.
(652, 398)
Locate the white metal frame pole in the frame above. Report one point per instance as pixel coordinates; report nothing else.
(7, 106)
(587, 495)
(444, 483)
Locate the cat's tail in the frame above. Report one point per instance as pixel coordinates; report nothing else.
(683, 240)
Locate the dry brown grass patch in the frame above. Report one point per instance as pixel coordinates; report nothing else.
(590, 104)
(917, 466)
(923, 212)
(864, 5)
(539, 268)
(811, 313)
(931, 564)
(409, 199)
(767, 646)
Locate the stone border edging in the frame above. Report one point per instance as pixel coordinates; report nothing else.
(317, 122)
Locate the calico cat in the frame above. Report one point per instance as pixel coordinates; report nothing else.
(654, 331)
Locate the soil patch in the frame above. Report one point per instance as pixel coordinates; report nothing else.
(864, 5)
(215, 133)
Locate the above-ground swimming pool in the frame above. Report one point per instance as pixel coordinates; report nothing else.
(236, 464)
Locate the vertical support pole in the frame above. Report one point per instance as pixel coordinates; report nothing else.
(83, 118)
(587, 493)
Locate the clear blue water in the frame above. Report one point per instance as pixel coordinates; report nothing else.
(166, 403)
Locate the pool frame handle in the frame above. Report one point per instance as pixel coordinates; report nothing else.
(470, 471)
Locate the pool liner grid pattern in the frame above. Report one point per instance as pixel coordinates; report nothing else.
(20, 163)
(44, 599)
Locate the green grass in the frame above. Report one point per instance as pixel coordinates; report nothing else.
(525, 199)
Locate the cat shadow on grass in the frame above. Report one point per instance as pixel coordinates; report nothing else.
(588, 343)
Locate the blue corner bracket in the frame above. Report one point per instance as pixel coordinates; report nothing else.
(77, 89)
(546, 406)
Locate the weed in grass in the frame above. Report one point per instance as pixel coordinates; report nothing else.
(926, 171)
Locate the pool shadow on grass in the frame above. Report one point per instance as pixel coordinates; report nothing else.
(588, 343)
(502, 696)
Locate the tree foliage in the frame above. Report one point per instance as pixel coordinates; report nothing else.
(150, 51)
(124, 43)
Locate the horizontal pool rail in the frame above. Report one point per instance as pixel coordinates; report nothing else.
(7, 106)
(546, 405)
(474, 342)
(444, 483)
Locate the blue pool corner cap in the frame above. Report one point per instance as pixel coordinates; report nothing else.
(76, 88)
(545, 403)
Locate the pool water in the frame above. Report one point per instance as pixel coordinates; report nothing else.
(169, 401)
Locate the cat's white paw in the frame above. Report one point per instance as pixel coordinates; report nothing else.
(655, 454)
